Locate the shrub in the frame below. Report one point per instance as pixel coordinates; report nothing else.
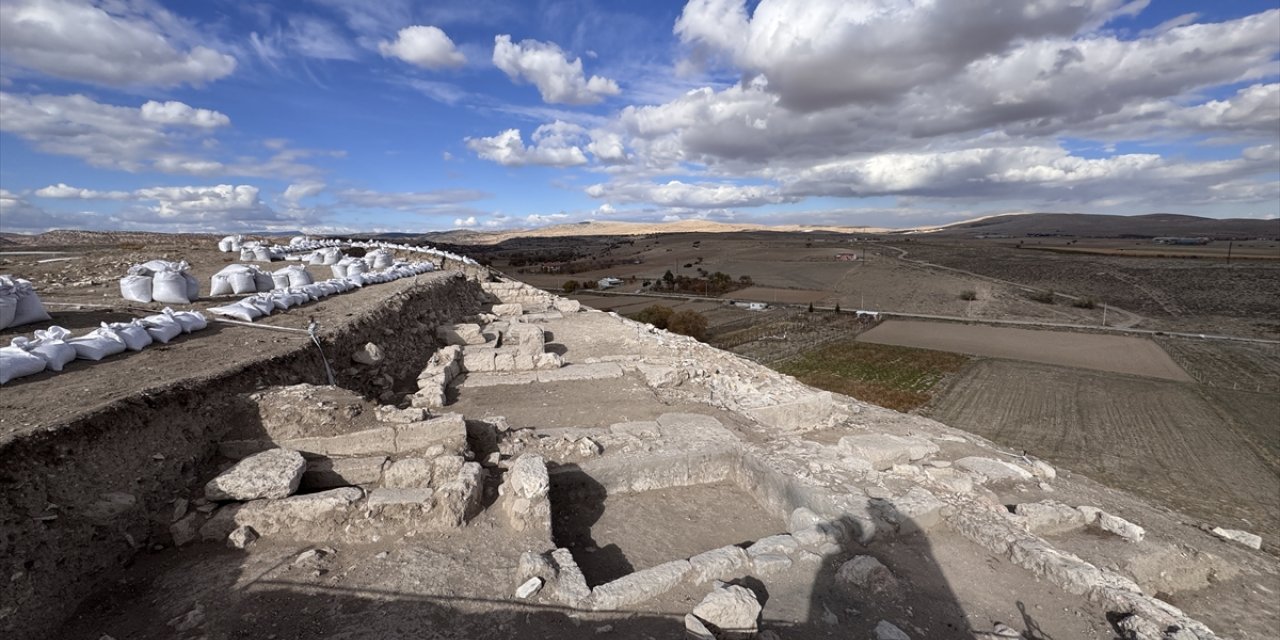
(837, 307)
(656, 315)
(688, 323)
(810, 307)
(570, 286)
(1084, 303)
(968, 294)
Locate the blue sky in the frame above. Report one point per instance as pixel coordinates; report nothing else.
(343, 115)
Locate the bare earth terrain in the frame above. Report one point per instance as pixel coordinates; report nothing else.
(506, 438)
(1117, 354)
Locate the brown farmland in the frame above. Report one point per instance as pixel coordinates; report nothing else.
(1204, 454)
(1117, 354)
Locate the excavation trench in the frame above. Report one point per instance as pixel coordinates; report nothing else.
(81, 496)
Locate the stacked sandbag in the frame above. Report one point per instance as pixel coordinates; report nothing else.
(230, 244)
(240, 279)
(160, 281)
(379, 259)
(327, 256)
(19, 303)
(265, 303)
(292, 276)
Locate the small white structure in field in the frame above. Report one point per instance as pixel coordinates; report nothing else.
(605, 283)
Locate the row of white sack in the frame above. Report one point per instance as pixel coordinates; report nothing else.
(19, 303)
(54, 348)
(412, 249)
(266, 303)
(240, 279)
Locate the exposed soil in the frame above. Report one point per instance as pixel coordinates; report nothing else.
(1162, 440)
(1117, 354)
(611, 536)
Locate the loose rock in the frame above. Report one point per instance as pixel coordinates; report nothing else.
(731, 608)
(275, 473)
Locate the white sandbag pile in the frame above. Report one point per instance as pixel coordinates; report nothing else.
(379, 259)
(160, 281)
(265, 303)
(292, 276)
(259, 252)
(240, 279)
(54, 348)
(230, 244)
(325, 257)
(19, 303)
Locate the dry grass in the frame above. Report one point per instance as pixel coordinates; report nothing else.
(899, 378)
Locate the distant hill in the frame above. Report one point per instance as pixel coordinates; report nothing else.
(611, 228)
(1088, 225)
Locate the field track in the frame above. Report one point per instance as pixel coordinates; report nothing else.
(1115, 354)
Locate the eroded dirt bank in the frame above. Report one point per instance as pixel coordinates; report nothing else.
(89, 466)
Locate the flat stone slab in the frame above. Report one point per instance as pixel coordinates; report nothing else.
(884, 450)
(275, 473)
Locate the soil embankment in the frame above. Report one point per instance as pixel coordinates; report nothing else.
(91, 459)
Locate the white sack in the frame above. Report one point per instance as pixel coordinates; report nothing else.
(170, 287)
(17, 363)
(162, 327)
(136, 288)
(97, 344)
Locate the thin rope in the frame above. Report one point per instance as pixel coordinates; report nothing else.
(311, 329)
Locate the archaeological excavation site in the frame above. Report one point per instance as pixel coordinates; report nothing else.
(455, 454)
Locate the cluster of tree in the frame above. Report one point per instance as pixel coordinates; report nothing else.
(570, 286)
(713, 284)
(688, 323)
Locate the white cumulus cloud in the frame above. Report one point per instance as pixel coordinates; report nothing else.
(424, 46)
(555, 145)
(114, 44)
(545, 65)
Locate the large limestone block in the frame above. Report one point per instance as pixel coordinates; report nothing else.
(330, 473)
(733, 609)
(639, 586)
(298, 515)
(512, 309)
(361, 443)
(884, 450)
(478, 360)
(448, 431)
(525, 495)
(718, 563)
(1049, 516)
(271, 474)
(805, 412)
(460, 334)
(408, 473)
(571, 585)
(565, 305)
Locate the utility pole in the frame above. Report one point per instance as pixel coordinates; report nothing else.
(1104, 314)
(1229, 244)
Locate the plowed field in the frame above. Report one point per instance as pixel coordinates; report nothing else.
(1192, 448)
(1118, 354)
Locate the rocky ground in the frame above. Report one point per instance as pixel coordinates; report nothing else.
(533, 469)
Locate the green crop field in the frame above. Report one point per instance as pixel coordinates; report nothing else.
(899, 378)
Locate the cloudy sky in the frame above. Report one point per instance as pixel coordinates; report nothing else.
(329, 115)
